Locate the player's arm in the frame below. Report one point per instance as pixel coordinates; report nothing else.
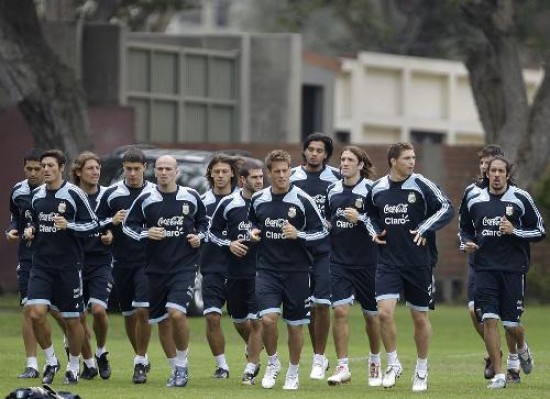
(532, 224)
(134, 224)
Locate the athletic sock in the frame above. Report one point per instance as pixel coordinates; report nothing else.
(49, 354)
(181, 358)
(32, 361)
(221, 361)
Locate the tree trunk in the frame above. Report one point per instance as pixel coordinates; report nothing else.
(46, 91)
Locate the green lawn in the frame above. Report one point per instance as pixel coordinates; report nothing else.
(456, 362)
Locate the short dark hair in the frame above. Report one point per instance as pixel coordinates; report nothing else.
(395, 150)
(247, 166)
(134, 154)
(33, 154)
(57, 154)
(326, 140)
(490, 150)
(233, 162)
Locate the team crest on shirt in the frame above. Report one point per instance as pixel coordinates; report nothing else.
(62, 207)
(359, 203)
(509, 210)
(292, 212)
(411, 198)
(28, 215)
(185, 209)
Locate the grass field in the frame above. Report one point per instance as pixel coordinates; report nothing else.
(456, 362)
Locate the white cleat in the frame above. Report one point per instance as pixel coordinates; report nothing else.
(375, 375)
(420, 381)
(292, 382)
(318, 369)
(341, 375)
(393, 372)
(270, 376)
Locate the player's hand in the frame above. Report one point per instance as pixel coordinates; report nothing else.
(28, 233)
(289, 231)
(193, 240)
(119, 217)
(379, 238)
(505, 226)
(12, 235)
(107, 237)
(470, 247)
(351, 215)
(60, 222)
(156, 233)
(237, 248)
(255, 235)
(418, 239)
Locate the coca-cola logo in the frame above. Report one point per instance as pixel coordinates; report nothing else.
(399, 208)
(491, 221)
(275, 223)
(173, 221)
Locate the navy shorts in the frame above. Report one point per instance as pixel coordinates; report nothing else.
(349, 284)
(97, 285)
(132, 288)
(241, 299)
(415, 284)
(23, 274)
(59, 287)
(320, 280)
(289, 289)
(213, 292)
(174, 290)
(501, 295)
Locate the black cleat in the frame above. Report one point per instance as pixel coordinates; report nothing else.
(49, 373)
(512, 376)
(140, 374)
(71, 378)
(29, 372)
(88, 373)
(103, 366)
(220, 373)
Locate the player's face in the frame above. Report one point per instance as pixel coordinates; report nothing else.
(279, 174)
(350, 167)
(90, 172)
(403, 166)
(133, 173)
(166, 171)
(315, 154)
(255, 180)
(53, 172)
(221, 174)
(498, 177)
(484, 164)
(33, 173)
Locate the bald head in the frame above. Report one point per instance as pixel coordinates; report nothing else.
(166, 170)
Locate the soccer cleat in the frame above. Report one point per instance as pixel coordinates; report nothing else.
(103, 366)
(88, 373)
(512, 376)
(292, 382)
(220, 373)
(140, 374)
(497, 383)
(180, 376)
(341, 375)
(526, 361)
(71, 378)
(49, 373)
(393, 372)
(29, 372)
(489, 371)
(375, 376)
(420, 381)
(318, 369)
(249, 375)
(270, 376)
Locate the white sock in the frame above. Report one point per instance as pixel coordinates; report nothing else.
(172, 363)
(421, 364)
(273, 359)
(32, 362)
(513, 361)
(343, 362)
(74, 364)
(89, 362)
(250, 368)
(392, 358)
(181, 358)
(221, 361)
(374, 358)
(292, 369)
(318, 358)
(49, 354)
(141, 360)
(100, 351)
(521, 351)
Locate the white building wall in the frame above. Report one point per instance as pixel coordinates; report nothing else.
(381, 98)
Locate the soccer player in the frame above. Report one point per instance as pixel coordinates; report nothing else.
(20, 201)
(352, 261)
(172, 220)
(314, 177)
(96, 272)
(229, 228)
(222, 175)
(497, 226)
(60, 216)
(403, 206)
(284, 219)
(129, 258)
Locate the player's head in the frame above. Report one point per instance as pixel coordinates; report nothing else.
(86, 168)
(353, 160)
(251, 176)
(31, 167)
(278, 163)
(222, 172)
(500, 173)
(53, 165)
(133, 165)
(317, 150)
(486, 154)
